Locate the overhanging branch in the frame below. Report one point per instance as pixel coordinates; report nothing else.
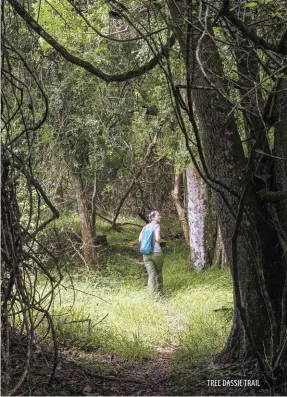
(281, 48)
(273, 196)
(84, 64)
(108, 37)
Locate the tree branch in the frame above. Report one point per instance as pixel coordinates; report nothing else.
(84, 64)
(281, 48)
(273, 196)
(108, 37)
(137, 176)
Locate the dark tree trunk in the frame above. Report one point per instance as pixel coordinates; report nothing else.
(258, 268)
(219, 256)
(181, 211)
(280, 151)
(279, 209)
(251, 94)
(94, 209)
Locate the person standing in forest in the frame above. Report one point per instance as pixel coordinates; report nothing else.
(152, 254)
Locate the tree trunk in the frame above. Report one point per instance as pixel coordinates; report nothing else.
(251, 93)
(256, 259)
(280, 149)
(94, 209)
(279, 209)
(181, 211)
(201, 219)
(219, 257)
(84, 218)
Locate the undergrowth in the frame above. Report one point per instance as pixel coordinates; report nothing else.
(106, 308)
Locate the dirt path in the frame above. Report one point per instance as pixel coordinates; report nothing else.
(80, 373)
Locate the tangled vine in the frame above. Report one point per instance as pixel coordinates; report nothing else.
(28, 287)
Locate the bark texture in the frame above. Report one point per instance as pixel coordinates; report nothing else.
(280, 149)
(201, 220)
(181, 211)
(279, 209)
(259, 270)
(219, 257)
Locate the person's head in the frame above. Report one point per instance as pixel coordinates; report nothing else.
(154, 216)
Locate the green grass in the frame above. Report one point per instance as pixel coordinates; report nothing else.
(134, 325)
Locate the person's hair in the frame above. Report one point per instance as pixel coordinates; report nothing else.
(151, 215)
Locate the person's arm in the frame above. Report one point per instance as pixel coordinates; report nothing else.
(157, 233)
(140, 236)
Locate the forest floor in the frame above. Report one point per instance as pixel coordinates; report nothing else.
(115, 341)
(81, 373)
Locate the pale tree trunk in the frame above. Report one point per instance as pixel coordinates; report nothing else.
(181, 211)
(201, 220)
(86, 229)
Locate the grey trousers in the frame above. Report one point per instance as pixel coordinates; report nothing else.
(153, 264)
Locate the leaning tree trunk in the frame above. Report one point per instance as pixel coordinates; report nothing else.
(181, 211)
(201, 220)
(256, 259)
(84, 218)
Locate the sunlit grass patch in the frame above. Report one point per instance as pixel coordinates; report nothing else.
(108, 308)
(133, 324)
(203, 334)
(200, 302)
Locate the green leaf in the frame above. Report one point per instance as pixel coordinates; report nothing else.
(252, 4)
(279, 76)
